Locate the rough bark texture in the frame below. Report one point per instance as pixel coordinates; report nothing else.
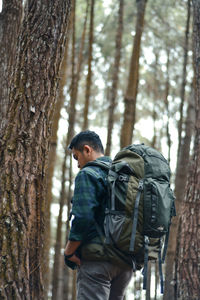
(118, 45)
(24, 147)
(132, 87)
(89, 75)
(10, 21)
(188, 252)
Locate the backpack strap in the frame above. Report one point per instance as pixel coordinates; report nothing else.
(99, 163)
(115, 176)
(135, 216)
(146, 255)
(173, 214)
(160, 268)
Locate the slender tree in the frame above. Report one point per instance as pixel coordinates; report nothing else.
(166, 102)
(180, 182)
(71, 122)
(62, 199)
(185, 61)
(89, 74)
(24, 147)
(132, 87)
(10, 22)
(51, 165)
(188, 256)
(113, 93)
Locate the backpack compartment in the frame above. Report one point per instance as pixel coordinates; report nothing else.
(158, 200)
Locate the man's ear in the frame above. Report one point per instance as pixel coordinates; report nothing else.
(87, 149)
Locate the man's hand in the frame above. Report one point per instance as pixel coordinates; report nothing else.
(70, 248)
(75, 259)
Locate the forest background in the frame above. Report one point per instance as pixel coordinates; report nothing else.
(125, 69)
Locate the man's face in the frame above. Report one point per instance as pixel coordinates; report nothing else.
(82, 157)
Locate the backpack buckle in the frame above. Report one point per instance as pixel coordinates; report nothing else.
(123, 178)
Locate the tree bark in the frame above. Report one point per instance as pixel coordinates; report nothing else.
(133, 79)
(118, 46)
(188, 263)
(10, 22)
(89, 74)
(24, 147)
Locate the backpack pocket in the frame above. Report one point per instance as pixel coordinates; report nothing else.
(158, 203)
(113, 224)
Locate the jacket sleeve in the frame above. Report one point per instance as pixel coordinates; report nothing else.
(85, 203)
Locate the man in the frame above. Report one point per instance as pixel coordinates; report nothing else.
(97, 278)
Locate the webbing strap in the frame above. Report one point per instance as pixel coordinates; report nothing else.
(160, 268)
(113, 195)
(165, 246)
(135, 216)
(146, 254)
(115, 176)
(107, 235)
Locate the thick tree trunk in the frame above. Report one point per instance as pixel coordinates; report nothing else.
(133, 79)
(24, 148)
(118, 45)
(188, 255)
(10, 22)
(89, 74)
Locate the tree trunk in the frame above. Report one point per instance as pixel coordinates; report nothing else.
(118, 46)
(89, 74)
(72, 114)
(185, 60)
(167, 86)
(24, 147)
(155, 99)
(188, 256)
(66, 271)
(180, 183)
(10, 22)
(133, 79)
(51, 165)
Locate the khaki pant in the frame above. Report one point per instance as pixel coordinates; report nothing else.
(101, 281)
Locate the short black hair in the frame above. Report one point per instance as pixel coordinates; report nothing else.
(89, 138)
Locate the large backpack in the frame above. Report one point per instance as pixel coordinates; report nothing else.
(140, 205)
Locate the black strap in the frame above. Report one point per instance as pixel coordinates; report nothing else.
(165, 245)
(160, 268)
(135, 216)
(107, 234)
(146, 255)
(99, 163)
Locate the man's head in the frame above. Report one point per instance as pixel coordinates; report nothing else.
(86, 146)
